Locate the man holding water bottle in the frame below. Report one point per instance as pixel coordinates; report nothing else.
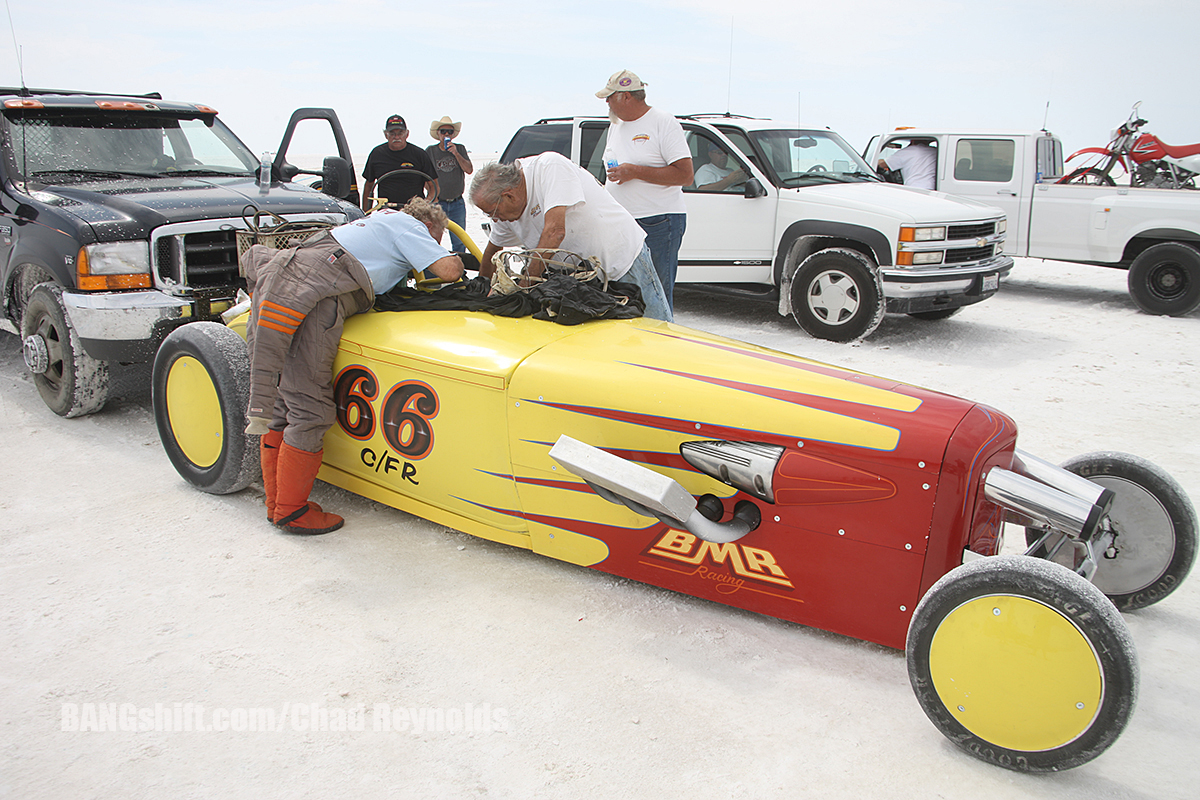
(453, 164)
(648, 164)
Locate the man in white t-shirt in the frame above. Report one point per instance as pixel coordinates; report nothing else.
(717, 175)
(546, 202)
(917, 163)
(648, 164)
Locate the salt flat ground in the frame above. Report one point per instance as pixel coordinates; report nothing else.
(121, 584)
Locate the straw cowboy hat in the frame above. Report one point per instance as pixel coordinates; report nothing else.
(444, 122)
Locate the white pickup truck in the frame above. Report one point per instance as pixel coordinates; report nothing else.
(1153, 233)
(806, 222)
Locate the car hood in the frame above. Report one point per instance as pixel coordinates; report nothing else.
(904, 203)
(130, 209)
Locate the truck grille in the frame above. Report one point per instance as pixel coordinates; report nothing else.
(972, 231)
(965, 254)
(201, 260)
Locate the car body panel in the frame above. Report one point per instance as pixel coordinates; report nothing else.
(451, 416)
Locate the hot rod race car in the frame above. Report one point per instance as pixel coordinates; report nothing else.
(749, 477)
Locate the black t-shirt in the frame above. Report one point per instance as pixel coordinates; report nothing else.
(399, 189)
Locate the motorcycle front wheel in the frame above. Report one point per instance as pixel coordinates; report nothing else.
(1091, 176)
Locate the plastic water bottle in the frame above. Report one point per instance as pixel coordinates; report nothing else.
(264, 169)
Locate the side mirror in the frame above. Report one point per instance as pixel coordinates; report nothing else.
(336, 179)
(754, 189)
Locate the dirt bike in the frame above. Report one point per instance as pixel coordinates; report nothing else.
(1147, 160)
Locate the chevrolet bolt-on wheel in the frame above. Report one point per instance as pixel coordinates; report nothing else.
(837, 295)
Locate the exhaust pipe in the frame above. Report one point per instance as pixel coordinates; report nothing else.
(648, 493)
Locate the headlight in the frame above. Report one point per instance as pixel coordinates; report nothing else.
(1002, 225)
(114, 265)
(923, 234)
(928, 258)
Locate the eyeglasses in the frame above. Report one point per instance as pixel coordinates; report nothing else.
(492, 214)
(396, 132)
(446, 131)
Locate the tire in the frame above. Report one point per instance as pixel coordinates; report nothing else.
(200, 390)
(941, 313)
(1090, 176)
(1155, 545)
(837, 295)
(1165, 279)
(71, 382)
(1022, 663)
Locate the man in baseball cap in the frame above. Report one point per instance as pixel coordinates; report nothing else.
(418, 178)
(648, 162)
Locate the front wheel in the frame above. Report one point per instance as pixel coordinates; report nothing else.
(1022, 663)
(1155, 529)
(200, 390)
(1165, 279)
(837, 295)
(71, 382)
(1090, 176)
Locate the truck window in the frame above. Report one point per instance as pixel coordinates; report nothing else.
(1049, 158)
(534, 139)
(593, 138)
(984, 160)
(714, 164)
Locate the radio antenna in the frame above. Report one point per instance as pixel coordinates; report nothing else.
(17, 47)
(1046, 120)
(729, 80)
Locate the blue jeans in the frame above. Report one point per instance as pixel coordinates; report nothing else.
(664, 234)
(456, 210)
(642, 273)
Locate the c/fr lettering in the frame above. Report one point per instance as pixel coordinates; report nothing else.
(387, 463)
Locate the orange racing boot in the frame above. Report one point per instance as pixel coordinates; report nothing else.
(268, 456)
(295, 472)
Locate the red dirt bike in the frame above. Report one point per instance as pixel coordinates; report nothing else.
(1147, 160)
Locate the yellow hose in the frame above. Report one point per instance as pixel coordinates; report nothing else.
(454, 228)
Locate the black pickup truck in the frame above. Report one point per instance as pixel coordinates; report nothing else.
(118, 220)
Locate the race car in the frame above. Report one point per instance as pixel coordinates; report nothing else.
(757, 479)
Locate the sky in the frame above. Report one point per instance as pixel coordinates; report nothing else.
(859, 67)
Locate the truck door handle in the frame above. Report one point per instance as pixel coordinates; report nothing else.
(1007, 192)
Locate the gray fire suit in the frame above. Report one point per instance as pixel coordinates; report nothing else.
(301, 297)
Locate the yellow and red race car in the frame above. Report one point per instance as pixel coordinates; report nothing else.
(749, 477)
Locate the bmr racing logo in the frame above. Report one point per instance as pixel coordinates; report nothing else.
(405, 418)
(738, 562)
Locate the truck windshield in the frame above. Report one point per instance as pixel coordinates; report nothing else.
(73, 147)
(802, 157)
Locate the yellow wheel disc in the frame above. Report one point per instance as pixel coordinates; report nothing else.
(1016, 673)
(194, 411)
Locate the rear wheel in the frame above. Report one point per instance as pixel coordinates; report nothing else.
(201, 387)
(1022, 663)
(837, 295)
(71, 382)
(1155, 526)
(1165, 279)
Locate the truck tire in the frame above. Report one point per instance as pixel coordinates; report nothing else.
(837, 295)
(71, 382)
(1165, 279)
(200, 389)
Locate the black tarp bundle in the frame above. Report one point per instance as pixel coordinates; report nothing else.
(560, 298)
